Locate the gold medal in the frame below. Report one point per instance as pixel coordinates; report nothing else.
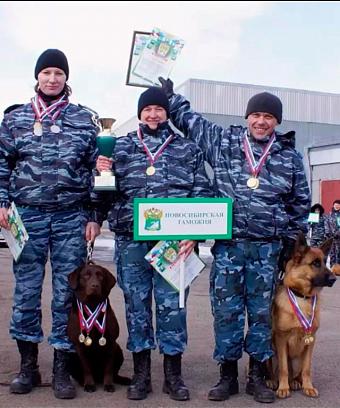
(150, 171)
(37, 129)
(81, 338)
(55, 129)
(88, 341)
(102, 341)
(253, 183)
(308, 339)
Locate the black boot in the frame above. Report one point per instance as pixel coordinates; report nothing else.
(256, 384)
(173, 382)
(29, 375)
(228, 384)
(141, 381)
(61, 381)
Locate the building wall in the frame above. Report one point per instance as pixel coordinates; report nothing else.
(229, 98)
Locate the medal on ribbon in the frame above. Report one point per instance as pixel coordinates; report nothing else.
(88, 341)
(151, 170)
(41, 111)
(307, 324)
(37, 128)
(87, 324)
(255, 167)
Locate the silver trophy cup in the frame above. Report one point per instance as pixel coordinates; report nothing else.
(106, 142)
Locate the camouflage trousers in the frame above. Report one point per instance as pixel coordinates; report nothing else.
(242, 280)
(138, 279)
(334, 254)
(60, 234)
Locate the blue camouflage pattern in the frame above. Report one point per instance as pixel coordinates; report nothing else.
(244, 270)
(317, 232)
(280, 206)
(49, 178)
(137, 278)
(63, 233)
(51, 171)
(243, 276)
(180, 173)
(332, 229)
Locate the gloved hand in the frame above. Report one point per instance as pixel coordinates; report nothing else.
(287, 250)
(167, 86)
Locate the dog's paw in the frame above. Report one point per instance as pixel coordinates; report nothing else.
(295, 385)
(109, 388)
(89, 388)
(272, 384)
(310, 392)
(283, 392)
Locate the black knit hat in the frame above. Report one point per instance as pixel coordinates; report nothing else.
(51, 58)
(265, 102)
(153, 96)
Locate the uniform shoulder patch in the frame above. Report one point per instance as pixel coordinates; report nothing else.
(12, 108)
(94, 115)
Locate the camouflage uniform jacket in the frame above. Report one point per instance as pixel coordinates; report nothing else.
(280, 206)
(332, 228)
(179, 173)
(318, 234)
(52, 171)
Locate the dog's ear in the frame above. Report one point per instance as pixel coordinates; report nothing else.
(109, 282)
(73, 277)
(326, 246)
(300, 247)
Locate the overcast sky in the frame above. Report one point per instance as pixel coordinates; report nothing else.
(285, 44)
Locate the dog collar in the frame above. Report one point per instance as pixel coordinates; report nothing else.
(299, 294)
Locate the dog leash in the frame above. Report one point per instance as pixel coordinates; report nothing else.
(89, 251)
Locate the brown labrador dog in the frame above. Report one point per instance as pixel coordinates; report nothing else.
(93, 329)
(296, 318)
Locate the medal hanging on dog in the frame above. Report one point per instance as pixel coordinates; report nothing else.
(151, 170)
(255, 167)
(92, 320)
(306, 324)
(88, 341)
(102, 341)
(308, 339)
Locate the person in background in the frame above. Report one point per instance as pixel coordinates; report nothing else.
(316, 231)
(260, 169)
(47, 154)
(152, 162)
(332, 230)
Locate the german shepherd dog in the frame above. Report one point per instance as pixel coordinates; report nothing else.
(296, 318)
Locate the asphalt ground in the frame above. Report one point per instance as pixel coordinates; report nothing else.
(199, 369)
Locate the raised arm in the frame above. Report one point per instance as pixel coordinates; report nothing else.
(209, 136)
